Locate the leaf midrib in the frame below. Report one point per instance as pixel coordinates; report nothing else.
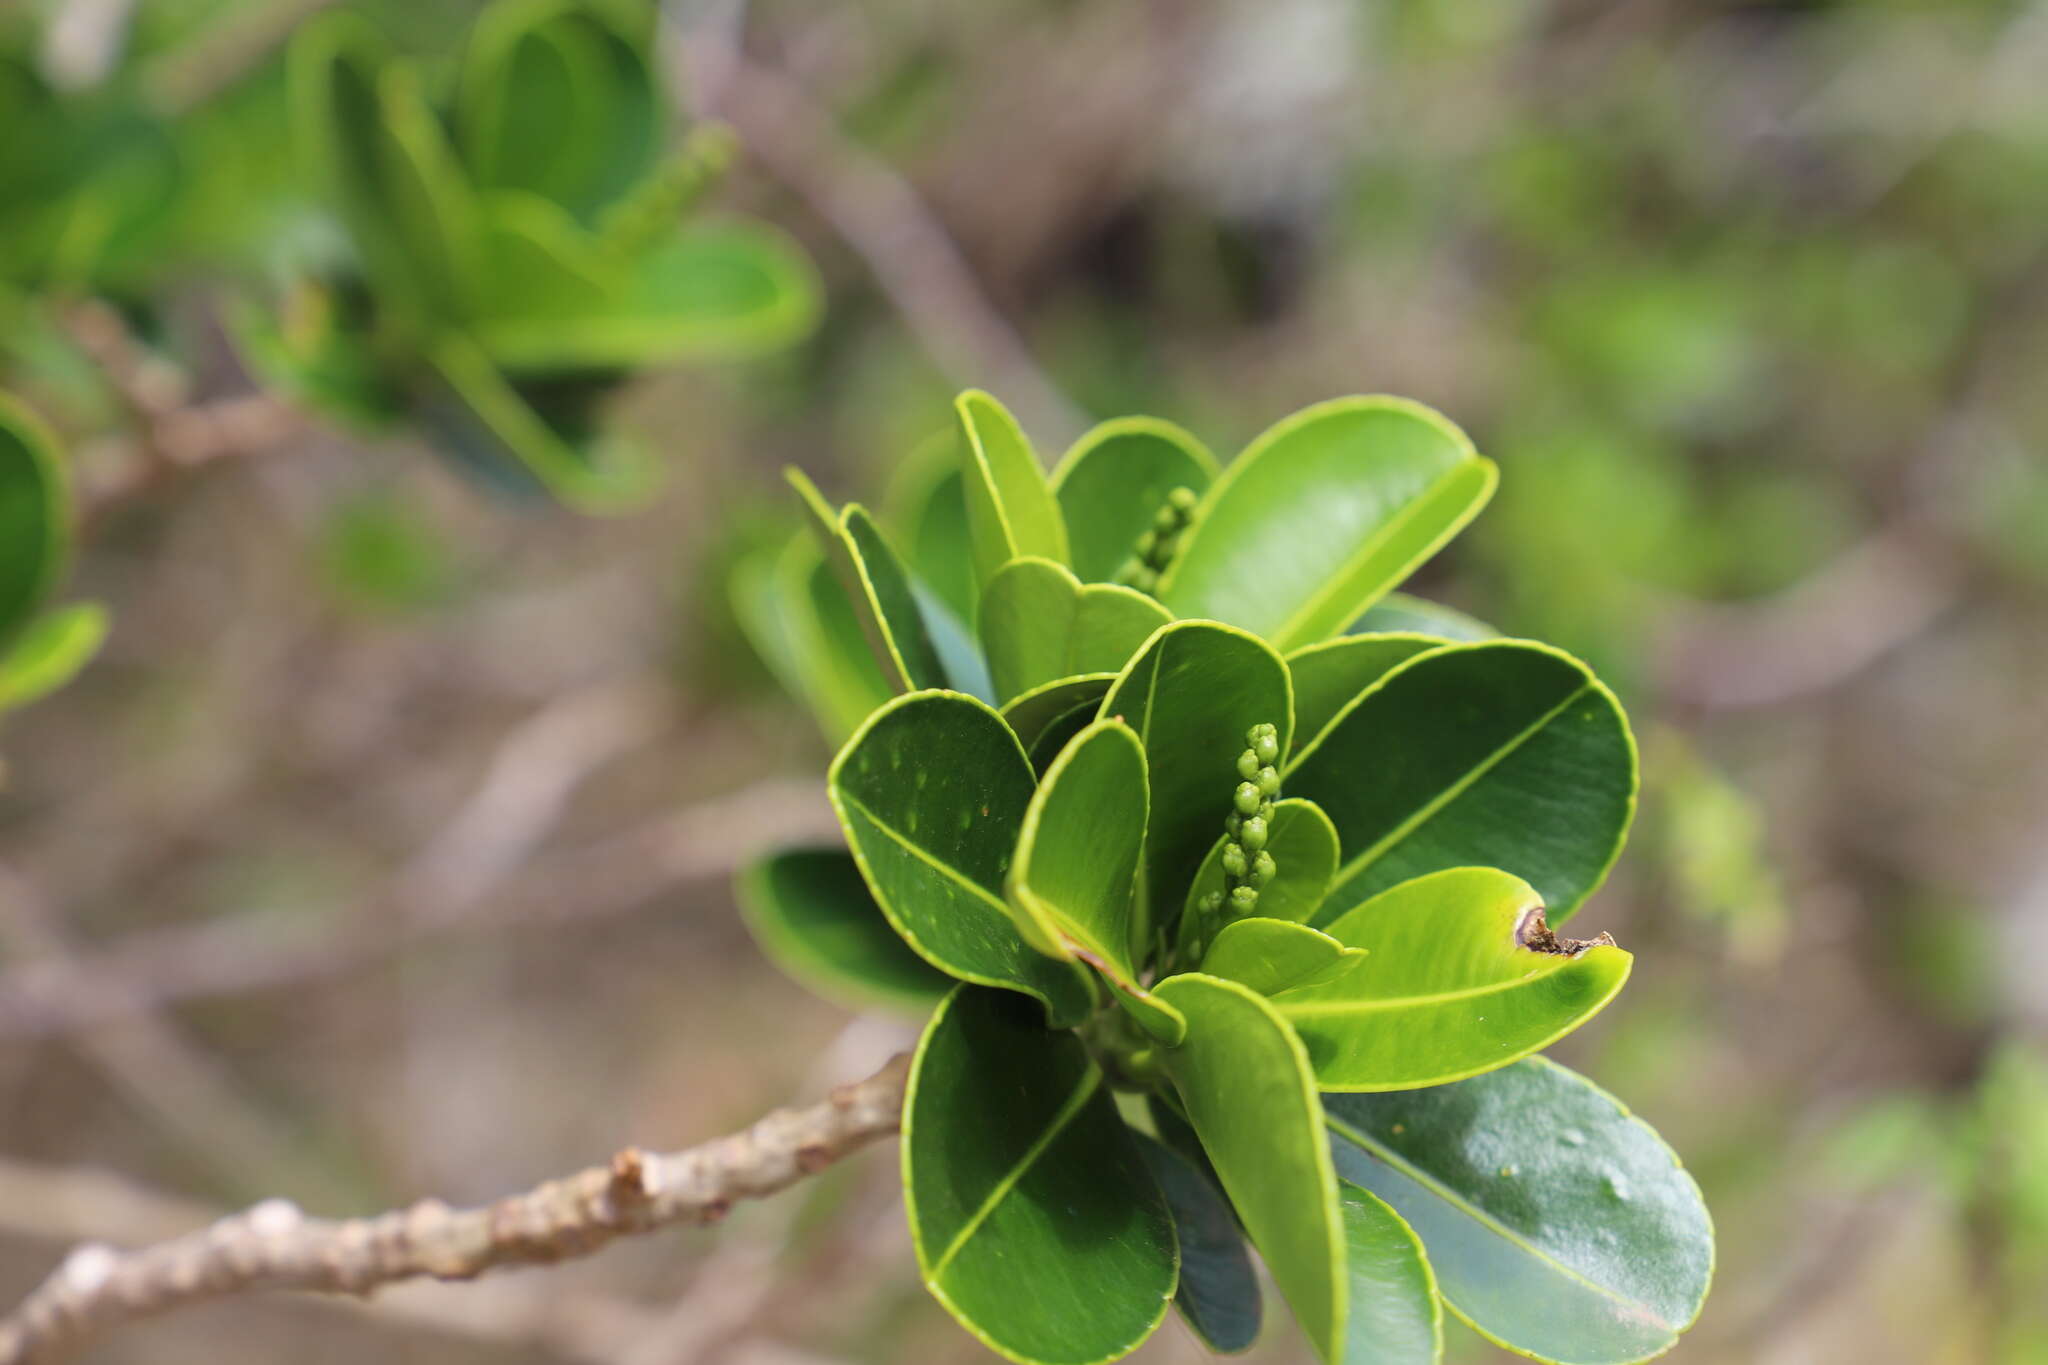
(1068, 1111)
(1540, 973)
(918, 851)
(1434, 807)
(1480, 1216)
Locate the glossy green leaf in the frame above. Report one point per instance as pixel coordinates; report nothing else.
(1303, 843)
(1329, 675)
(927, 507)
(1400, 614)
(1396, 1317)
(1076, 865)
(932, 791)
(556, 101)
(1010, 510)
(1036, 1220)
(35, 513)
(1039, 624)
(1191, 695)
(883, 596)
(50, 652)
(1248, 1091)
(1558, 1225)
(1463, 976)
(813, 915)
(1033, 713)
(1501, 754)
(711, 290)
(1113, 481)
(1218, 1295)
(1275, 955)
(1322, 514)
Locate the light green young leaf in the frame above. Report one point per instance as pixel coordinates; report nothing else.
(1396, 1316)
(1218, 1295)
(1248, 1091)
(1010, 510)
(1036, 1220)
(1559, 1226)
(1398, 613)
(1040, 625)
(1501, 754)
(1329, 675)
(1077, 856)
(1303, 843)
(1191, 694)
(1463, 976)
(1276, 955)
(813, 915)
(933, 791)
(1113, 481)
(1322, 514)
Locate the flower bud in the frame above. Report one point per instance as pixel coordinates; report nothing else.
(1247, 799)
(1268, 781)
(1243, 901)
(1263, 870)
(1234, 860)
(1252, 834)
(1248, 766)
(1265, 742)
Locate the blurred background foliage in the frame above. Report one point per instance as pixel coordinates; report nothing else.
(383, 849)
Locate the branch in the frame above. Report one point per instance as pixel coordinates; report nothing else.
(275, 1246)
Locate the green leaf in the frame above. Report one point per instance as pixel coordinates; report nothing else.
(800, 622)
(713, 290)
(1324, 513)
(1303, 843)
(1396, 1316)
(927, 506)
(1191, 694)
(1501, 754)
(812, 914)
(1275, 955)
(932, 791)
(1010, 510)
(1463, 977)
(1036, 1220)
(1077, 857)
(1218, 1295)
(1246, 1084)
(35, 515)
(556, 101)
(50, 652)
(1329, 675)
(1113, 481)
(1039, 625)
(1559, 1226)
(545, 271)
(1034, 713)
(883, 595)
(1400, 614)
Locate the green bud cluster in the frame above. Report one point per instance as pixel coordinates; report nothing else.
(1155, 545)
(1247, 863)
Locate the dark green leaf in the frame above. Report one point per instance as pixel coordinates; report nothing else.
(1036, 711)
(1113, 481)
(1275, 955)
(1400, 614)
(927, 507)
(1246, 1084)
(1036, 1220)
(1396, 1317)
(800, 622)
(1039, 625)
(1463, 976)
(1329, 675)
(811, 912)
(1010, 510)
(35, 514)
(1324, 513)
(1303, 843)
(1191, 695)
(1218, 1294)
(1501, 754)
(1558, 1225)
(932, 791)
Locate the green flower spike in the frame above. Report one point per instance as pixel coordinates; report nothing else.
(1247, 864)
(1153, 552)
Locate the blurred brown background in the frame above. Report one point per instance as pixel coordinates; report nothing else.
(385, 851)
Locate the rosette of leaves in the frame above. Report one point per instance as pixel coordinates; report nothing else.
(513, 250)
(1287, 881)
(41, 646)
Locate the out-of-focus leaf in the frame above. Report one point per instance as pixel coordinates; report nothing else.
(1400, 614)
(49, 653)
(927, 507)
(35, 515)
(1036, 1220)
(811, 912)
(1323, 514)
(1113, 481)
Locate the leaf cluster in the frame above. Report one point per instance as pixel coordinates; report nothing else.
(1285, 879)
